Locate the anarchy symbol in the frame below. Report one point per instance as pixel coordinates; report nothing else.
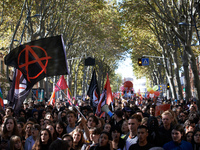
(28, 49)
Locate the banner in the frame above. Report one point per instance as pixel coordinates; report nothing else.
(93, 91)
(19, 90)
(161, 108)
(38, 59)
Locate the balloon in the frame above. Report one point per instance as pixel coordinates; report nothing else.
(151, 91)
(151, 95)
(128, 84)
(155, 88)
(157, 93)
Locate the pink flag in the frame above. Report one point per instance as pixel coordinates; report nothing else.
(61, 83)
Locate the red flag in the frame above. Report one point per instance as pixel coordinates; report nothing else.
(61, 83)
(52, 99)
(108, 92)
(105, 98)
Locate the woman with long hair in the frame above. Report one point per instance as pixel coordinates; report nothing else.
(60, 129)
(16, 143)
(196, 138)
(20, 126)
(43, 141)
(51, 128)
(9, 128)
(78, 139)
(27, 128)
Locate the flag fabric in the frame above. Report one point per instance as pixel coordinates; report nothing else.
(93, 91)
(61, 83)
(108, 92)
(106, 97)
(19, 90)
(52, 99)
(40, 58)
(68, 97)
(1, 99)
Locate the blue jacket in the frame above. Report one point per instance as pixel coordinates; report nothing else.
(29, 143)
(174, 146)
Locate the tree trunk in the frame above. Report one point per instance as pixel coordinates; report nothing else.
(195, 73)
(186, 76)
(176, 70)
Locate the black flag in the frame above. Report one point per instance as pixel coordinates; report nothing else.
(34, 61)
(19, 90)
(93, 91)
(38, 59)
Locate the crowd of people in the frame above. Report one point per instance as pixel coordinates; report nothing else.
(133, 126)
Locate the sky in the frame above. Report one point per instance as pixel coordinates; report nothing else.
(125, 68)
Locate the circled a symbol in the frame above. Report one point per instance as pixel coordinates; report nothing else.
(28, 49)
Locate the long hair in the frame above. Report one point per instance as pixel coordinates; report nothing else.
(54, 136)
(62, 125)
(23, 131)
(5, 132)
(82, 141)
(38, 142)
(13, 140)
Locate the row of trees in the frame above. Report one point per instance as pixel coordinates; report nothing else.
(165, 28)
(90, 28)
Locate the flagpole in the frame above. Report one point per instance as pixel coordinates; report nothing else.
(69, 99)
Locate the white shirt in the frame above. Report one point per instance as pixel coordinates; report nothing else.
(130, 142)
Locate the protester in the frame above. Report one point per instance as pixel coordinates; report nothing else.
(134, 125)
(69, 139)
(154, 136)
(51, 128)
(104, 142)
(117, 142)
(30, 141)
(78, 139)
(43, 141)
(177, 140)
(131, 137)
(142, 143)
(166, 128)
(59, 145)
(94, 137)
(27, 127)
(189, 136)
(71, 119)
(9, 128)
(196, 142)
(60, 129)
(16, 143)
